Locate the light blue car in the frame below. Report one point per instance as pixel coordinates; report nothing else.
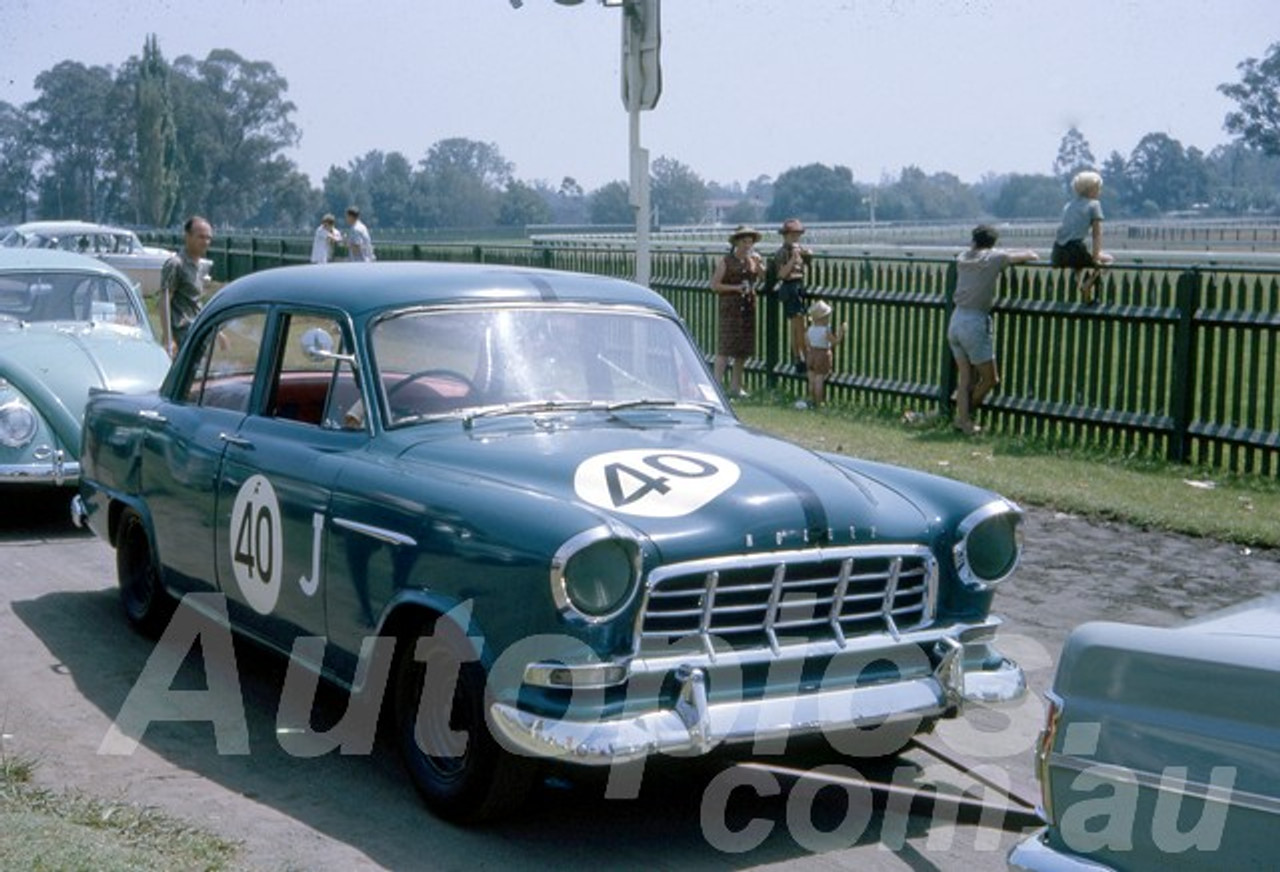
(1161, 748)
(68, 324)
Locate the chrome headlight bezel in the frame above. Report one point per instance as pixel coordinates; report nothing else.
(595, 576)
(19, 421)
(988, 545)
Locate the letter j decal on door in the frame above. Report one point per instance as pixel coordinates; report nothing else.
(654, 483)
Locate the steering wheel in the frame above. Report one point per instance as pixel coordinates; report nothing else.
(435, 372)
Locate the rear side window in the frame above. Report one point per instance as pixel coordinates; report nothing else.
(221, 373)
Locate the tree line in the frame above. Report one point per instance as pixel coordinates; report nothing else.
(153, 141)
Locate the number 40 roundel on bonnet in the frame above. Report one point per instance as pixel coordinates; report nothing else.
(527, 481)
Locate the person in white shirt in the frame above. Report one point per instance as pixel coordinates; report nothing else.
(359, 243)
(322, 243)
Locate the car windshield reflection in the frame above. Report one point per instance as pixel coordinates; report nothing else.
(515, 360)
(51, 296)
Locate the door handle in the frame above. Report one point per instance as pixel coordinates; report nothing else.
(235, 440)
(152, 415)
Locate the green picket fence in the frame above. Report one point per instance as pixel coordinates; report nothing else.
(1177, 362)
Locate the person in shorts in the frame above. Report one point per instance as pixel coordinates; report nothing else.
(1080, 218)
(789, 263)
(969, 332)
(821, 340)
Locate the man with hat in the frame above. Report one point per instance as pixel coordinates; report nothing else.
(789, 263)
(734, 282)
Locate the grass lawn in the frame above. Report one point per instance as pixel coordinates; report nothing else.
(1157, 495)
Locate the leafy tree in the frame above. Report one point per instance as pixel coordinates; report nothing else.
(1028, 196)
(68, 120)
(815, 192)
(1257, 119)
(1243, 179)
(917, 196)
(1117, 193)
(234, 122)
(459, 183)
(522, 204)
(1074, 155)
(744, 211)
(1158, 174)
(611, 204)
(289, 201)
(157, 141)
(17, 164)
(568, 204)
(390, 185)
(679, 195)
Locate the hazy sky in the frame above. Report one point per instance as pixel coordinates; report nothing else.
(751, 87)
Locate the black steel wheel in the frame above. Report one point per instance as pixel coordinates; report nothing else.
(460, 770)
(147, 604)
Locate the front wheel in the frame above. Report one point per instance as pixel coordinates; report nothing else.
(460, 770)
(147, 604)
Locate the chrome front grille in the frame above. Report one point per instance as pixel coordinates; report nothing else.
(770, 600)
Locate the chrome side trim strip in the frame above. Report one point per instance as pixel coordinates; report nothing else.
(391, 537)
(1229, 796)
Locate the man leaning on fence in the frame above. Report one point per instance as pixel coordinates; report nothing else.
(969, 333)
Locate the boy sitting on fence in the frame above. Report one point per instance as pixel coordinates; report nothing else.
(1082, 216)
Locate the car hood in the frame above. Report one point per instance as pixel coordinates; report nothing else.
(64, 360)
(688, 487)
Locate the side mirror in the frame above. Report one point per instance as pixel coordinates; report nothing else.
(317, 345)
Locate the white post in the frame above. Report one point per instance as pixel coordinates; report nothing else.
(639, 157)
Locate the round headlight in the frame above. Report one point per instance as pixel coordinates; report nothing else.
(989, 545)
(18, 423)
(595, 579)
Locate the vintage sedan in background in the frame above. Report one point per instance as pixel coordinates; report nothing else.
(114, 245)
(530, 479)
(68, 324)
(1162, 747)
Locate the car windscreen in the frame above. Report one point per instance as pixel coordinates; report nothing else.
(67, 296)
(462, 360)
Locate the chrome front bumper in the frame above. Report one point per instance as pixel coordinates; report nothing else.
(56, 471)
(1034, 854)
(695, 725)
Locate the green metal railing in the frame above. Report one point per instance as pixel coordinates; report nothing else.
(1176, 362)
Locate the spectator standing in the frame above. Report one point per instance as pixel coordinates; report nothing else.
(359, 242)
(325, 238)
(820, 341)
(789, 264)
(182, 284)
(734, 282)
(1080, 218)
(970, 333)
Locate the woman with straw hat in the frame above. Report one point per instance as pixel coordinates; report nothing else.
(734, 282)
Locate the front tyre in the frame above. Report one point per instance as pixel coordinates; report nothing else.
(460, 770)
(147, 604)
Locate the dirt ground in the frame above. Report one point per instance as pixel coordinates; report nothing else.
(69, 663)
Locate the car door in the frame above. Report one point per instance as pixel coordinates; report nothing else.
(186, 435)
(276, 480)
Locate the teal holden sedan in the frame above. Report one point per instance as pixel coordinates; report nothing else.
(513, 505)
(69, 325)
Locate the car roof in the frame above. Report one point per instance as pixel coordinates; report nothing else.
(57, 228)
(360, 288)
(55, 260)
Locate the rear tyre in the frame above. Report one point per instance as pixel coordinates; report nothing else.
(460, 770)
(147, 605)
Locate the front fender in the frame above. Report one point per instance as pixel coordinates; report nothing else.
(65, 425)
